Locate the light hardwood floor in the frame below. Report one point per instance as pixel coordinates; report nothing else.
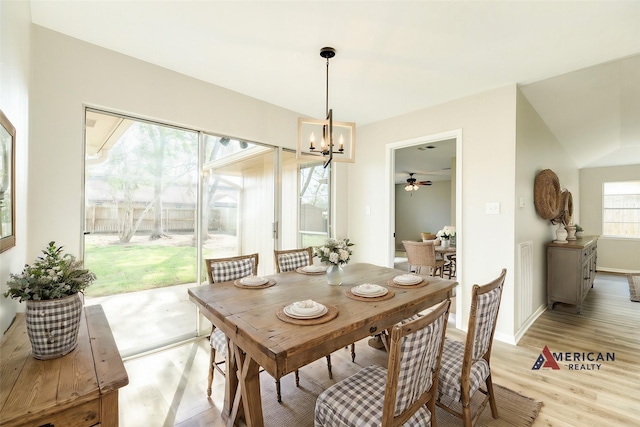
(168, 388)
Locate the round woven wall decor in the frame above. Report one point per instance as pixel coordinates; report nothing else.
(547, 196)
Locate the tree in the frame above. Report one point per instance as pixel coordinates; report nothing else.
(147, 160)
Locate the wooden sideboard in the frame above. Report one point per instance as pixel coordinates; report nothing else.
(79, 389)
(571, 270)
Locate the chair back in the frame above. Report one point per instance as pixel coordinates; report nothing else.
(420, 253)
(414, 363)
(225, 269)
(288, 260)
(485, 303)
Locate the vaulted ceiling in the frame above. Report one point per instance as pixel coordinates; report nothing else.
(578, 63)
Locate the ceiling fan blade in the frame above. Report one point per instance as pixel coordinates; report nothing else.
(435, 172)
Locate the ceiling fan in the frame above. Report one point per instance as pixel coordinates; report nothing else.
(412, 183)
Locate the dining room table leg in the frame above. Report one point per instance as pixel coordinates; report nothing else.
(230, 384)
(244, 399)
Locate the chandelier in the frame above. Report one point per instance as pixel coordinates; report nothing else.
(326, 138)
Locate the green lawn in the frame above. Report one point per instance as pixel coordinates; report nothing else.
(134, 268)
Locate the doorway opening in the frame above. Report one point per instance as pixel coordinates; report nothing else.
(436, 164)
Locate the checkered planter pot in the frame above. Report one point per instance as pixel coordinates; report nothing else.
(52, 326)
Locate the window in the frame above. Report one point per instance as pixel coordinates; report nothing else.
(621, 209)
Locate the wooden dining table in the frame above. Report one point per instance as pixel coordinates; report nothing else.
(445, 249)
(258, 337)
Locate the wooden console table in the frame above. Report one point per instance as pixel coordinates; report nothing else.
(571, 270)
(76, 390)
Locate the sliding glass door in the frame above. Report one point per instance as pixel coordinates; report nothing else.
(238, 193)
(141, 182)
(160, 199)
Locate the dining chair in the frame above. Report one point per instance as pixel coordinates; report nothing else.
(449, 267)
(465, 366)
(423, 254)
(402, 395)
(223, 270)
(290, 260)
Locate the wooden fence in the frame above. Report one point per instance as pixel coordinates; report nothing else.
(104, 219)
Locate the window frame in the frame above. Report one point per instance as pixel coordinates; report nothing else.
(607, 212)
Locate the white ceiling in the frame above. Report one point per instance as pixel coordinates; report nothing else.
(578, 62)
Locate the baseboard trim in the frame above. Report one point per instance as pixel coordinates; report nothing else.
(530, 321)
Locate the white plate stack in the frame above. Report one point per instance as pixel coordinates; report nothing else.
(407, 279)
(307, 309)
(314, 269)
(369, 290)
(253, 281)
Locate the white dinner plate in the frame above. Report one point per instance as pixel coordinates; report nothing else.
(291, 311)
(314, 268)
(369, 290)
(407, 279)
(306, 307)
(253, 281)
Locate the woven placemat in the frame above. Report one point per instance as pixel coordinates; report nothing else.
(390, 294)
(266, 285)
(547, 196)
(332, 313)
(390, 282)
(310, 273)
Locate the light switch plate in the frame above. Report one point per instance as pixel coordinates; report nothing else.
(492, 208)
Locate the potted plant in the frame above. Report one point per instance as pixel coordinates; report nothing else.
(50, 287)
(579, 231)
(334, 252)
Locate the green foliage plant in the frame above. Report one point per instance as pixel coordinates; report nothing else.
(52, 276)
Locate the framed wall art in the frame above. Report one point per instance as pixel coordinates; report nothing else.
(7, 184)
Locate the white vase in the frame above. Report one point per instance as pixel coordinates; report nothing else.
(571, 232)
(446, 243)
(334, 275)
(561, 234)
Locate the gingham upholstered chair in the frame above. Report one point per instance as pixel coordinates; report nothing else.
(423, 254)
(289, 260)
(403, 395)
(465, 366)
(223, 270)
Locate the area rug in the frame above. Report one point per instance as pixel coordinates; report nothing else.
(298, 405)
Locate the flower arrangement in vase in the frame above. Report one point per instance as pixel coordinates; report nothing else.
(50, 287)
(446, 234)
(334, 253)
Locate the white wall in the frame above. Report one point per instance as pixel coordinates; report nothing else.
(428, 209)
(69, 74)
(614, 254)
(15, 25)
(485, 242)
(537, 149)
